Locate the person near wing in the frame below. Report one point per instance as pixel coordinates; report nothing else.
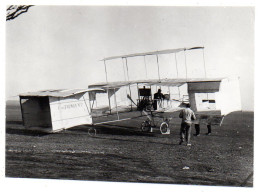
(157, 98)
(187, 116)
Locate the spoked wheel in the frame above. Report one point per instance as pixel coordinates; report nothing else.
(145, 126)
(164, 128)
(92, 131)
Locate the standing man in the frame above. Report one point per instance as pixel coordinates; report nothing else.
(157, 98)
(197, 128)
(209, 129)
(187, 116)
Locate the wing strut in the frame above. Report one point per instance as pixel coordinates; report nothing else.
(145, 67)
(176, 65)
(107, 89)
(89, 111)
(128, 80)
(109, 102)
(124, 69)
(105, 70)
(22, 110)
(185, 62)
(116, 103)
(158, 67)
(204, 64)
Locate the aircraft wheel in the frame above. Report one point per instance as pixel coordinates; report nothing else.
(92, 131)
(145, 126)
(164, 128)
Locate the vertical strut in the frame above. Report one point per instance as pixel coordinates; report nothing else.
(107, 89)
(129, 83)
(127, 68)
(176, 65)
(145, 68)
(109, 101)
(185, 62)
(116, 103)
(22, 110)
(124, 68)
(205, 70)
(204, 64)
(89, 111)
(89, 102)
(105, 70)
(158, 67)
(179, 93)
(125, 79)
(138, 92)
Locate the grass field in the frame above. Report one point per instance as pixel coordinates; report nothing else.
(120, 152)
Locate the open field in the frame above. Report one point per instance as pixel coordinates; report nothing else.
(120, 152)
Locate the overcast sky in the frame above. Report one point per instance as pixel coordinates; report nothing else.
(53, 47)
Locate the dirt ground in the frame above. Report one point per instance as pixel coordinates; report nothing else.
(121, 152)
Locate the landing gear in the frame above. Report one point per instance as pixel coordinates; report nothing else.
(92, 131)
(146, 126)
(164, 128)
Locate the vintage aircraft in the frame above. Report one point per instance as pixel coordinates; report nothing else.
(210, 98)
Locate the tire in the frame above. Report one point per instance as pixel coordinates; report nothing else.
(145, 126)
(164, 127)
(92, 131)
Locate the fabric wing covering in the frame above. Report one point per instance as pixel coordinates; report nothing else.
(53, 110)
(167, 51)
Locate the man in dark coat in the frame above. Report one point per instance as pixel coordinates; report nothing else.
(157, 97)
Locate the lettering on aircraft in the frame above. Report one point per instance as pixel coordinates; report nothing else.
(70, 106)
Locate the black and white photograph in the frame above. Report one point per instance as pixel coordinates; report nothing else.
(146, 94)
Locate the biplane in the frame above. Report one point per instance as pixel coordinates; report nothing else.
(107, 102)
